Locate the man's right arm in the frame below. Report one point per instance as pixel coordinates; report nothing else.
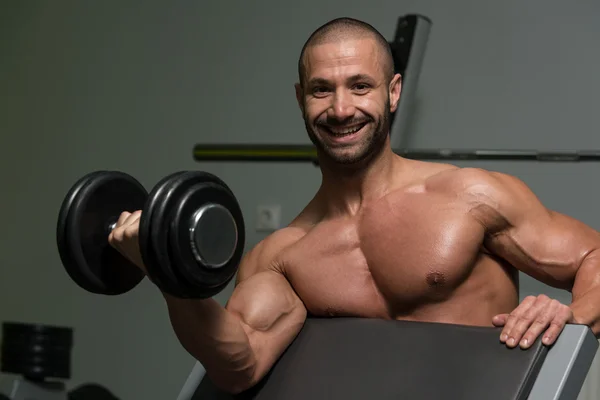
(239, 343)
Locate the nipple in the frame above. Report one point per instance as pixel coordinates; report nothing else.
(436, 279)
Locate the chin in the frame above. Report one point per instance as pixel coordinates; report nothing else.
(348, 158)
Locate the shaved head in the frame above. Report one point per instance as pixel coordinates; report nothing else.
(347, 91)
(345, 28)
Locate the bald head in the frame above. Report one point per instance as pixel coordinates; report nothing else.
(345, 28)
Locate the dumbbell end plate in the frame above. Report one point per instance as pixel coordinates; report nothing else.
(91, 205)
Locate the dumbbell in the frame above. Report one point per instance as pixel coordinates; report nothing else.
(191, 233)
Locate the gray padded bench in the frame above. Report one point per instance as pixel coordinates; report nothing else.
(355, 358)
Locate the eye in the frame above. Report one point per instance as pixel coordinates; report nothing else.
(361, 87)
(320, 90)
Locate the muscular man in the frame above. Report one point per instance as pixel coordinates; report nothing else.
(385, 237)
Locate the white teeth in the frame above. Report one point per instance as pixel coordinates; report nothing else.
(346, 131)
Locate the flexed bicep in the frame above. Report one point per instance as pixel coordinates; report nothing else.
(271, 314)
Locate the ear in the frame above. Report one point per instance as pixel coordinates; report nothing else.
(394, 92)
(299, 96)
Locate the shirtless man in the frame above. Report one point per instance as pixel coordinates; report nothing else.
(385, 237)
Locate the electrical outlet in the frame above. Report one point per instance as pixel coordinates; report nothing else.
(268, 217)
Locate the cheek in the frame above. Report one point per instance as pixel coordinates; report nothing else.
(373, 105)
(315, 110)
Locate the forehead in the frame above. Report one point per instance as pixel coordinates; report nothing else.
(343, 57)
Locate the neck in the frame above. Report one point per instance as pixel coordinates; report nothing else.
(345, 189)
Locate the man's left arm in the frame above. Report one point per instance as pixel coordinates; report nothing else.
(546, 245)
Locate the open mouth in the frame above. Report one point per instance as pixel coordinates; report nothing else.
(343, 131)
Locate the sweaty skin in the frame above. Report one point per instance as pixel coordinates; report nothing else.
(416, 253)
(385, 237)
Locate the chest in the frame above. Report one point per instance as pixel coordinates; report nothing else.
(392, 258)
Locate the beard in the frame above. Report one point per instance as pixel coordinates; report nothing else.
(370, 145)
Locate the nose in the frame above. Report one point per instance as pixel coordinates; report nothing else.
(342, 107)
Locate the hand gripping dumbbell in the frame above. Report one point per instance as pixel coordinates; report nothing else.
(191, 233)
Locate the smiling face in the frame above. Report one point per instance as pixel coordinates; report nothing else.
(347, 98)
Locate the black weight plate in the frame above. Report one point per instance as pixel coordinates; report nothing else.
(98, 204)
(159, 235)
(155, 273)
(204, 281)
(35, 350)
(64, 249)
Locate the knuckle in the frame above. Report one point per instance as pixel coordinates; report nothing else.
(513, 316)
(543, 298)
(556, 324)
(516, 313)
(548, 315)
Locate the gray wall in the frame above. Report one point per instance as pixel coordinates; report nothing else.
(133, 86)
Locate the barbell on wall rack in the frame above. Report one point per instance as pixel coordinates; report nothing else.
(408, 49)
(308, 153)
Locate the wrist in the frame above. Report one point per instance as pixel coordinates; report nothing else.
(584, 313)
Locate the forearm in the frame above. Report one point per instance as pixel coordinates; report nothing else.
(586, 293)
(216, 338)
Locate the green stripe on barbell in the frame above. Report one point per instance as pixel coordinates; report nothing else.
(229, 152)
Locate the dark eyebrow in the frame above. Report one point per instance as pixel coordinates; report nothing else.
(319, 82)
(360, 77)
(353, 79)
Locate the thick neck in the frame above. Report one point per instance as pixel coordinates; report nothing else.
(346, 189)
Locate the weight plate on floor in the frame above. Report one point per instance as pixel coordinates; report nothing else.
(163, 279)
(83, 235)
(36, 351)
(206, 237)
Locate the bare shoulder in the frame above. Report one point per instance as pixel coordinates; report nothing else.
(489, 185)
(498, 198)
(263, 256)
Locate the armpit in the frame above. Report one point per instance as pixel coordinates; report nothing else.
(490, 219)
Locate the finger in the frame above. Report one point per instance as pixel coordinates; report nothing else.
(132, 218)
(131, 230)
(118, 232)
(527, 319)
(499, 320)
(564, 316)
(122, 218)
(540, 323)
(515, 315)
